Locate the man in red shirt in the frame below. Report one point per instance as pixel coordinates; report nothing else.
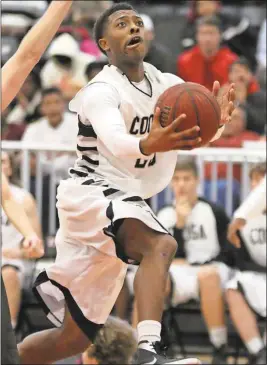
(208, 61)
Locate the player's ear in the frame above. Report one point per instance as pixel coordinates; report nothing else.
(103, 43)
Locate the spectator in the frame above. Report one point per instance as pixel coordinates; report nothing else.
(57, 127)
(157, 54)
(199, 270)
(115, 343)
(26, 106)
(208, 61)
(12, 131)
(261, 56)
(237, 33)
(13, 270)
(234, 135)
(94, 68)
(246, 292)
(248, 94)
(66, 66)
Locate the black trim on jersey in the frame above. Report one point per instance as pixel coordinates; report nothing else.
(89, 160)
(110, 191)
(86, 130)
(179, 237)
(137, 88)
(88, 182)
(83, 149)
(78, 173)
(87, 168)
(133, 199)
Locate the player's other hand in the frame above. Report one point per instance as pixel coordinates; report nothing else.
(226, 100)
(163, 139)
(233, 228)
(32, 247)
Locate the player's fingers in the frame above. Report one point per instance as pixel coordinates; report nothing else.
(216, 88)
(175, 124)
(190, 133)
(231, 93)
(188, 144)
(231, 108)
(156, 119)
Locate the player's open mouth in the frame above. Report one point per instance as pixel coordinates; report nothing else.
(134, 42)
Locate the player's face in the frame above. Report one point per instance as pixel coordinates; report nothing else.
(240, 74)
(6, 165)
(208, 38)
(184, 184)
(255, 179)
(124, 37)
(237, 124)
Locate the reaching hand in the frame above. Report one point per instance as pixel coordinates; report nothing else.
(163, 139)
(233, 228)
(32, 247)
(225, 100)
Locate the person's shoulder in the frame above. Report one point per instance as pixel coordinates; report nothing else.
(217, 209)
(188, 55)
(227, 54)
(167, 216)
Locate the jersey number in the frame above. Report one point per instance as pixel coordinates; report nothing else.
(141, 163)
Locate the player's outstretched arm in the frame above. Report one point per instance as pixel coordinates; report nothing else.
(34, 44)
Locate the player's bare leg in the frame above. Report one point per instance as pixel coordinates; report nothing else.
(12, 284)
(155, 252)
(55, 344)
(121, 305)
(246, 323)
(212, 307)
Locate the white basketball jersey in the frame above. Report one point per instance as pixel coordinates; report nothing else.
(10, 235)
(254, 238)
(144, 177)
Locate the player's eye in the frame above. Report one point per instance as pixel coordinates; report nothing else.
(121, 24)
(140, 23)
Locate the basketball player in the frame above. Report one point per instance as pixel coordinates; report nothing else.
(14, 73)
(246, 294)
(124, 157)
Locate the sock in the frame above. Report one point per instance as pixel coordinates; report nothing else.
(148, 331)
(14, 324)
(218, 336)
(254, 345)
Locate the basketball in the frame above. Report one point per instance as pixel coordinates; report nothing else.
(199, 105)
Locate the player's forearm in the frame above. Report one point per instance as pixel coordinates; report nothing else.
(34, 44)
(255, 203)
(17, 216)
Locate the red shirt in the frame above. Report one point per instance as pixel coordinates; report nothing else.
(193, 66)
(230, 142)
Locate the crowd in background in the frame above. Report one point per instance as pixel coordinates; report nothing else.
(215, 45)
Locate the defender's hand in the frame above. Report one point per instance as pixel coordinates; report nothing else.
(163, 139)
(225, 100)
(233, 228)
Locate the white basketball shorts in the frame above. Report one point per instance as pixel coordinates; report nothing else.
(253, 286)
(90, 269)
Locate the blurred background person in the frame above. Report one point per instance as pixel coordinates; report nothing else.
(13, 270)
(94, 68)
(208, 60)
(261, 55)
(246, 291)
(115, 343)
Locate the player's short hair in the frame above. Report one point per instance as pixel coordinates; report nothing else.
(115, 343)
(95, 65)
(187, 164)
(212, 20)
(101, 22)
(241, 61)
(51, 90)
(259, 168)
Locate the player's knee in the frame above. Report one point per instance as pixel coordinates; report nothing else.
(166, 247)
(208, 275)
(75, 340)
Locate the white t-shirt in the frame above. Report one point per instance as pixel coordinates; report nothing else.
(66, 134)
(114, 113)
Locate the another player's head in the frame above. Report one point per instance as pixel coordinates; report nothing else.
(53, 105)
(209, 35)
(240, 72)
(93, 69)
(257, 173)
(238, 123)
(115, 343)
(185, 179)
(119, 33)
(206, 7)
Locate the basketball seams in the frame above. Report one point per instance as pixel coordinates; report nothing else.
(195, 107)
(213, 106)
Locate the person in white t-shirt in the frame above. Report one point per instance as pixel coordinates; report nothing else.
(124, 157)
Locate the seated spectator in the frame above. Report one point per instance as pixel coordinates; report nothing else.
(246, 291)
(208, 61)
(237, 33)
(200, 269)
(261, 55)
(233, 136)
(57, 127)
(66, 66)
(115, 343)
(13, 270)
(12, 131)
(93, 69)
(248, 94)
(25, 108)
(157, 54)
